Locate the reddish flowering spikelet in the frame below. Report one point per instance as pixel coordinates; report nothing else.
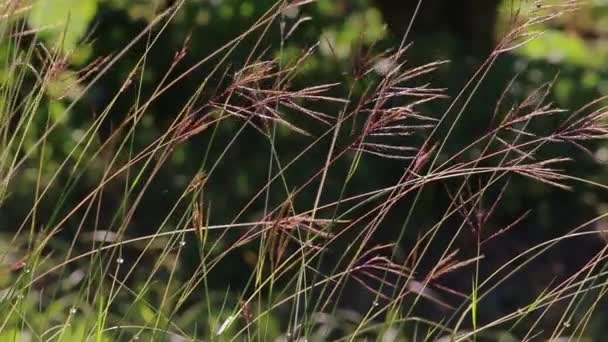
(57, 67)
(197, 182)
(246, 313)
(379, 269)
(198, 221)
(191, 125)
(179, 55)
(261, 92)
(522, 31)
(374, 267)
(315, 226)
(421, 159)
(449, 264)
(592, 126)
(388, 123)
(541, 172)
(288, 227)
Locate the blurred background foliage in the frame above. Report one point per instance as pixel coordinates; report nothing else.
(573, 47)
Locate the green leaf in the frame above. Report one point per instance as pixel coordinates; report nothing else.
(62, 22)
(558, 46)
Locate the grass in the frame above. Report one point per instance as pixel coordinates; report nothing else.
(77, 268)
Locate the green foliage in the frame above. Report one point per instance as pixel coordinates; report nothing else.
(62, 22)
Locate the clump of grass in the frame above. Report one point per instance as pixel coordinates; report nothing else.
(107, 281)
